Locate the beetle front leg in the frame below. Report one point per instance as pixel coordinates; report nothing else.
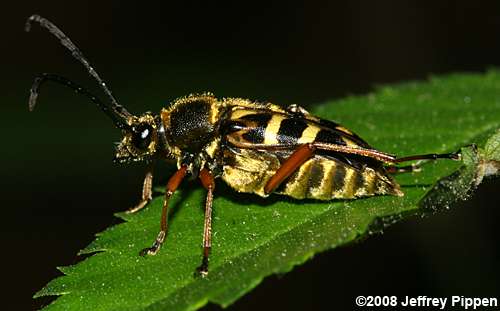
(147, 191)
(207, 180)
(172, 185)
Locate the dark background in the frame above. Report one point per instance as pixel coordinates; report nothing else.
(59, 186)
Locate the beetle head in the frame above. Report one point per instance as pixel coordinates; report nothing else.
(140, 141)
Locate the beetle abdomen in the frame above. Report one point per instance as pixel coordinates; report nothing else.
(325, 179)
(318, 178)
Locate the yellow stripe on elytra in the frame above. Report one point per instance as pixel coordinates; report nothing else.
(239, 113)
(349, 142)
(343, 129)
(309, 134)
(271, 133)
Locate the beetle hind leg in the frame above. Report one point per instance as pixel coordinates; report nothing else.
(393, 169)
(430, 156)
(425, 158)
(296, 159)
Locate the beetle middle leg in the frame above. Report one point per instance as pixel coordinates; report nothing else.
(207, 181)
(172, 185)
(147, 191)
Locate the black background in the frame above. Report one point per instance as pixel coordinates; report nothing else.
(59, 186)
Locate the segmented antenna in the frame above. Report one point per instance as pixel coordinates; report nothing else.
(77, 54)
(41, 78)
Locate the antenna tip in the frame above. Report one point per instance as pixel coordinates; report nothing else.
(34, 17)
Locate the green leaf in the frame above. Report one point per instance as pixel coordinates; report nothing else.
(255, 237)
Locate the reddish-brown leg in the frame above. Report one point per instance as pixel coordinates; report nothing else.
(392, 169)
(370, 153)
(147, 191)
(430, 156)
(384, 157)
(304, 152)
(172, 185)
(296, 159)
(207, 180)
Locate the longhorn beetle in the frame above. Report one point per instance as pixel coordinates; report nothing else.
(254, 147)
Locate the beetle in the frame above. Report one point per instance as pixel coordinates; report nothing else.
(254, 147)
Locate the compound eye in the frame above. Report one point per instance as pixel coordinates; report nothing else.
(141, 137)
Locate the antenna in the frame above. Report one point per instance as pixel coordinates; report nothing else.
(77, 54)
(43, 77)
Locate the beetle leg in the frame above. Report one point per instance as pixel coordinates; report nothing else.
(294, 161)
(304, 152)
(430, 156)
(370, 153)
(172, 185)
(384, 157)
(207, 180)
(147, 191)
(392, 169)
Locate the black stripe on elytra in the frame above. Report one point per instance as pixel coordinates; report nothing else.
(338, 178)
(255, 132)
(327, 123)
(290, 131)
(329, 137)
(262, 119)
(254, 135)
(352, 136)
